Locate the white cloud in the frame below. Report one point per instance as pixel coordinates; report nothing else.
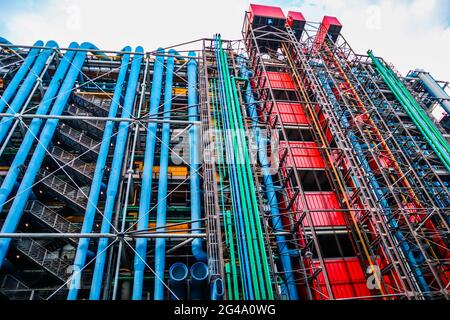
(408, 33)
(115, 23)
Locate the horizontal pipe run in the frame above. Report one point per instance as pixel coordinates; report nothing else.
(101, 235)
(42, 116)
(150, 53)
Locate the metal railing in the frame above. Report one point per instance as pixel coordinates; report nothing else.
(51, 218)
(43, 257)
(71, 160)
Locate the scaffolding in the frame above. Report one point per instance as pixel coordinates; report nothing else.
(313, 181)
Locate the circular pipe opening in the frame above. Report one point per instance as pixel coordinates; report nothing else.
(199, 271)
(178, 271)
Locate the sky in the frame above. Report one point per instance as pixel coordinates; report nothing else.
(408, 33)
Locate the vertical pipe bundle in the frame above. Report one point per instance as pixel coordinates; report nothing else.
(33, 131)
(25, 189)
(194, 146)
(261, 144)
(94, 192)
(146, 189)
(160, 244)
(26, 88)
(116, 172)
(20, 75)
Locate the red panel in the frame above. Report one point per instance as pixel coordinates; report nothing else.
(330, 26)
(317, 201)
(278, 80)
(306, 155)
(298, 16)
(331, 21)
(323, 119)
(266, 11)
(346, 277)
(295, 16)
(290, 113)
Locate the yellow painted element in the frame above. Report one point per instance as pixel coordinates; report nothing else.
(171, 228)
(174, 171)
(99, 94)
(180, 91)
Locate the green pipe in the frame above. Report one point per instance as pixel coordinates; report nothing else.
(250, 232)
(421, 120)
(232, 254)
(421, 112)
(243, 154)
(234, 294)
(254, 201)
(410, 103)
(228, 217)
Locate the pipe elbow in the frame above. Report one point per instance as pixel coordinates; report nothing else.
(197, 251)
(192, 61)
(139, 49)
(4, 41)
(173, 52)
(97, 52)
(73, 45)
(39, 43)
(126, 49)
(52, 44)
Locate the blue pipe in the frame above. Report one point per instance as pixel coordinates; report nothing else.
(199, 274)
(194, 144)
(6, 41)
(178, 274)
(96, 186)
(435, 89)
(33, 131)
(237, 206)
(116, 173)
(376, 188)
(271, 195)
(160, 245)
(26, 88)
(217, 290)
(146, 193)
(18, 77)
(16, 211)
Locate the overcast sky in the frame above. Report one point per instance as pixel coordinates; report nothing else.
(409, 33)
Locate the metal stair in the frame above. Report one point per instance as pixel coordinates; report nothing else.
(79, 141)
(94, 104)
(93, 126)
(42, 257)
(84, 171)
(14, 289)
(51, 219)
(61, 189)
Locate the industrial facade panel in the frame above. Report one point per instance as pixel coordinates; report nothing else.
(346, 278)
(326, 201)
(277, 80)
(306, 155)
(290, 114)
(259, 11)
